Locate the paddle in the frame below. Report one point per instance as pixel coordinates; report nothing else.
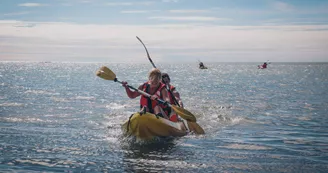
(107, 74)
(268, 62)
(151, 61)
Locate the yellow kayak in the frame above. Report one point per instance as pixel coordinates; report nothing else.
(148, 126)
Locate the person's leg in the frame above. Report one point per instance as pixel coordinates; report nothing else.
(143, 110)
(159, 112)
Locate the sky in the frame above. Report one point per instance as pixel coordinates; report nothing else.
(172, 30)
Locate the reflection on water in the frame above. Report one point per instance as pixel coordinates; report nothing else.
(148, 155)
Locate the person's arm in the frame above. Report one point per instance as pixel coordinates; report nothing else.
(165, 95)
(131, 94)
(176, 94)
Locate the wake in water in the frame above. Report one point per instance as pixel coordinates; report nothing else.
(211, 118)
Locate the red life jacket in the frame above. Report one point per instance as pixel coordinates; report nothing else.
(149, 103)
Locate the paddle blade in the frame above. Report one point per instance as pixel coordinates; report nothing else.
(106, 73)
(196, 128)
(184, 113)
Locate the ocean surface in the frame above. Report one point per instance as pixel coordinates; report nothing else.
(61, 117)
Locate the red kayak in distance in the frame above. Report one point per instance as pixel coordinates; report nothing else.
(263, 66)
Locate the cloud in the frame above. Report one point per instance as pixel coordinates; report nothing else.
(187, 18)
(189, 11)
(17, 13)
(134, 11)
(86, 1)
(119, 3)
(129, 3)
(31, 5)
(8, 22)
(282, 6)
(180, 42)
(168, 1)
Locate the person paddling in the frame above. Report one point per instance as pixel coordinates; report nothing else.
(174, 96)
(201, 65)
(156, 89)
(264, 65)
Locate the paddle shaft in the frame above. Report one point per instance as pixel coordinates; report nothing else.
(173, 97)
(143, 93)
(151, 61)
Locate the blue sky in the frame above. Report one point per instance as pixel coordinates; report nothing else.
(173, 30)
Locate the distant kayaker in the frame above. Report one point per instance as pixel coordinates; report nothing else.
(156, 89)
(174, 96)
(201, 65)
(264, 65)
(166, 80)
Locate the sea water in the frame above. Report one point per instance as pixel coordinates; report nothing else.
(61, 117)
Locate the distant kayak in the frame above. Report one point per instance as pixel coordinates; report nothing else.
(148, 126)
(261, 67)
(202, 66)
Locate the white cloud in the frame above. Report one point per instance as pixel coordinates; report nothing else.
(8, 22)
(17, 13)
(189, 11)
(183, 42)
(86, 1)
(282, 6)
(31, 5)
(134, 11)
(146, 3)
(129, 3)
(187, 18)
(175, 1)
(119, 3)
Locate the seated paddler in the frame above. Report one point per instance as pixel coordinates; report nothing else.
(156, 89)
(174, 96)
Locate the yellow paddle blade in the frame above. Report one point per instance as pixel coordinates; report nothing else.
(196, 128)
(184, 113)
(106, 73)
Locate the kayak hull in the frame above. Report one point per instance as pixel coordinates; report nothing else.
(148, 126)
(261, 67)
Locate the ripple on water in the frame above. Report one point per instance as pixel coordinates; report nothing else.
(271, 120)
(245, 147)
